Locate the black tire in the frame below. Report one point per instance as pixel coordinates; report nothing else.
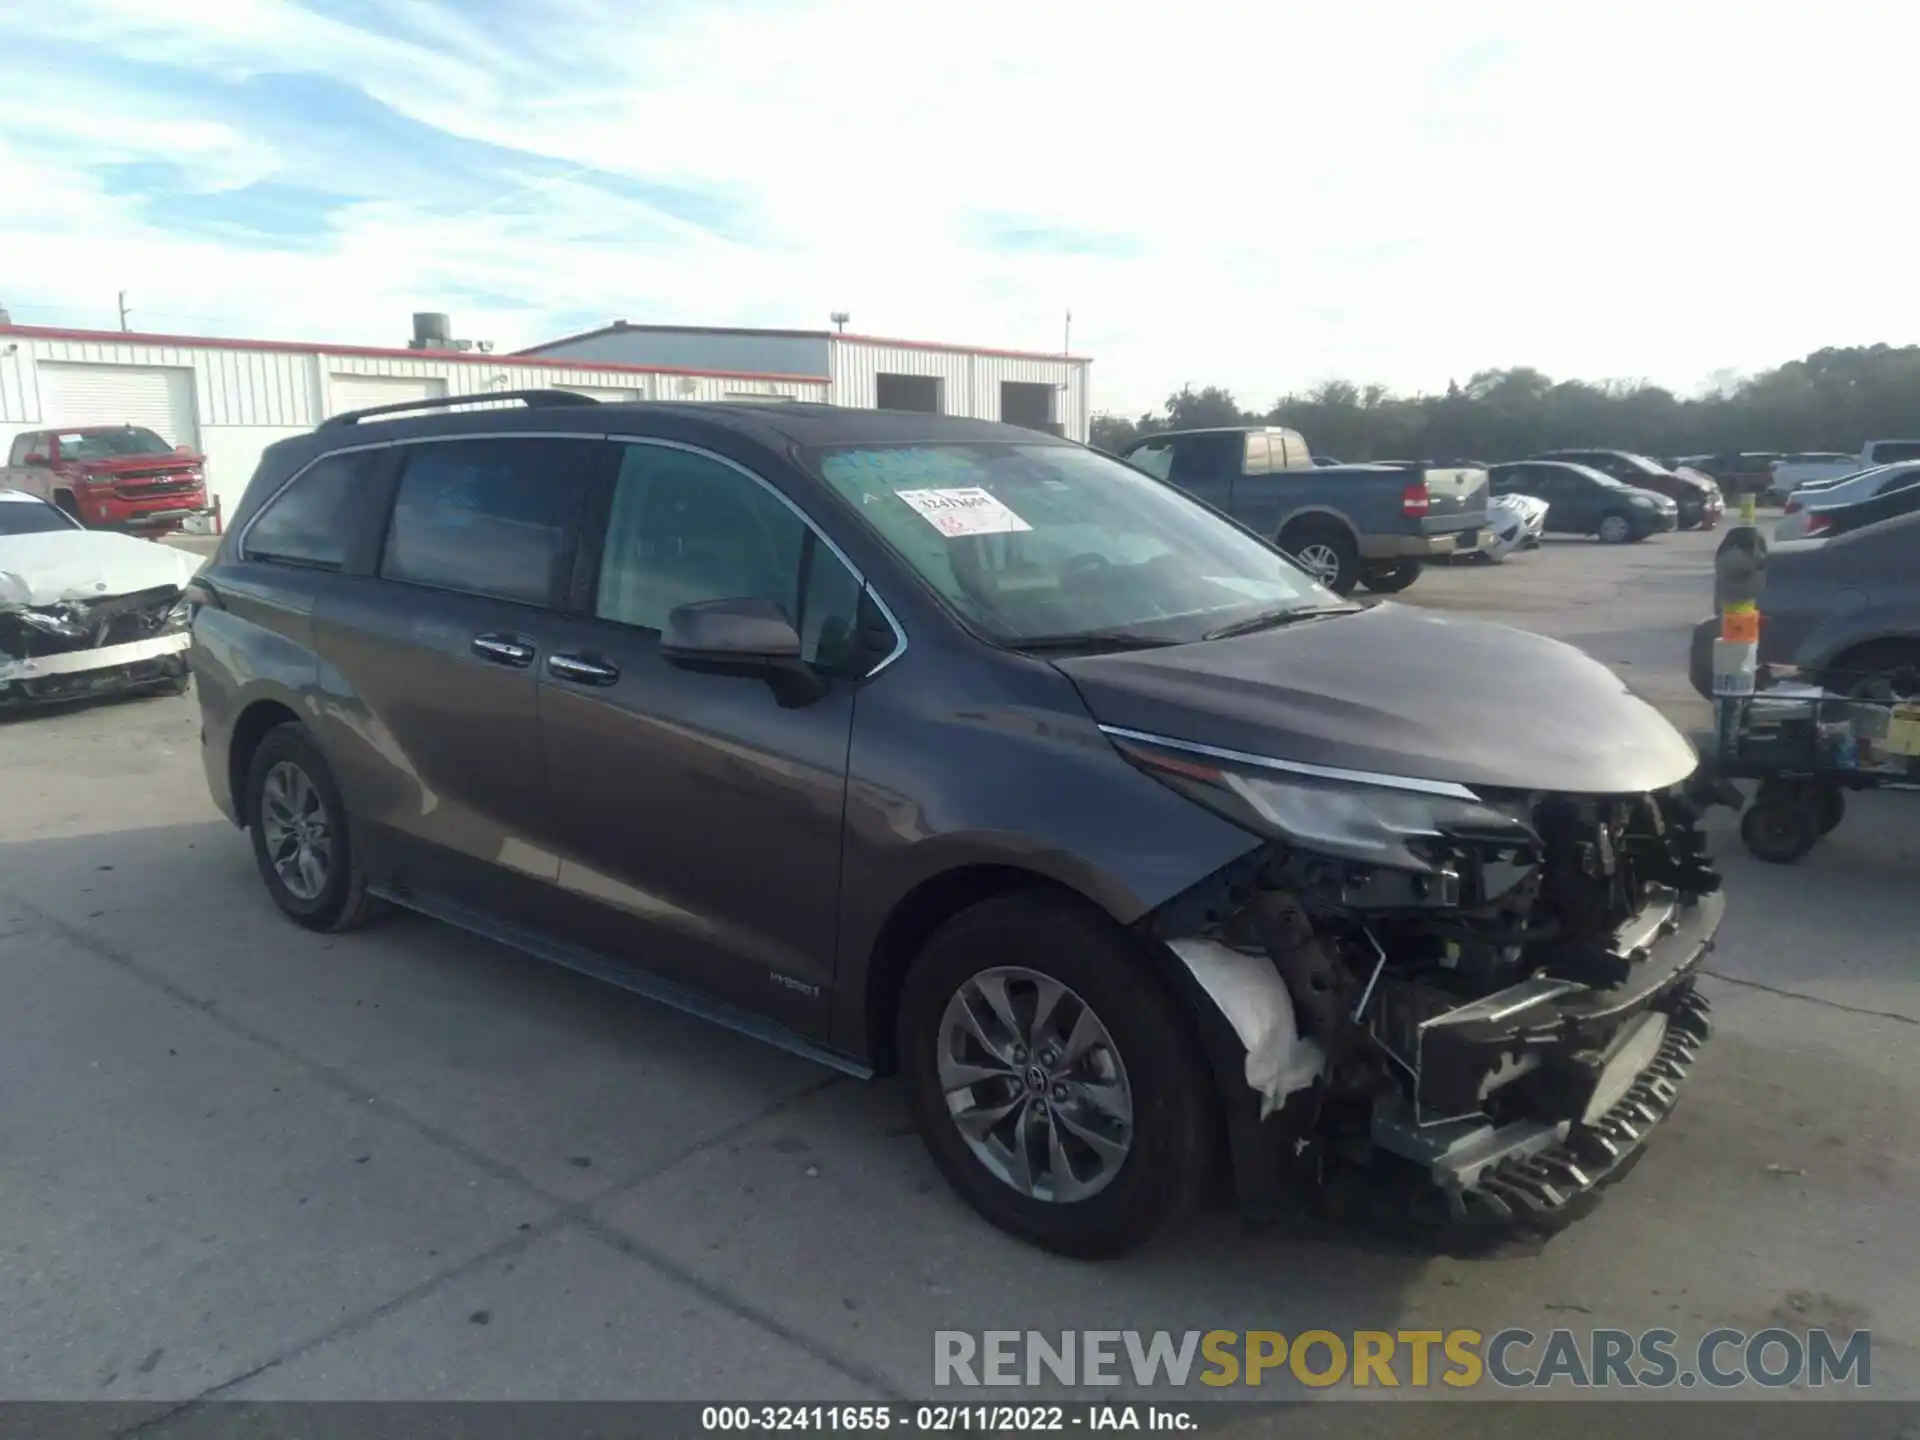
(342, 902)
(1391, 579)
(1831, 807)
(1326, 552)
(1780, 826)
(1170, 1160)
(1615, 529)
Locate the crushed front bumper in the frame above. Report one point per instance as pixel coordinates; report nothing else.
(1580, 1075)
(100, 670)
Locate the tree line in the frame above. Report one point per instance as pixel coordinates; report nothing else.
(1834, 399)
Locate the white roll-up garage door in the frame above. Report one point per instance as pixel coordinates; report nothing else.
(156, 396)
(358, 392)
(604, 395)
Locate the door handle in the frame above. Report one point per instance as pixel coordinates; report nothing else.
(503, 650)
(582, 670)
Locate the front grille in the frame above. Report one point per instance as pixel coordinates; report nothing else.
(138, 487)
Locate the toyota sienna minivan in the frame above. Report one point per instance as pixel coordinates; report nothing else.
(936, 747)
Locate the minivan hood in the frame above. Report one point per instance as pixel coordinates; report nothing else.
(1398, 691)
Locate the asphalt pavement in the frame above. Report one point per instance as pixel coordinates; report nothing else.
(239, 1160)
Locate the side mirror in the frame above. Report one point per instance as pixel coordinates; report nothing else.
(184, 450)
(748, 637)
(37, 460)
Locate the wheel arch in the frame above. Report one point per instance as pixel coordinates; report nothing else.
(1315, 515)
(1842, 660)
(935, 900)
(250, 727)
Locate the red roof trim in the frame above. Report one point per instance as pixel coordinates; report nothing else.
(461, 357)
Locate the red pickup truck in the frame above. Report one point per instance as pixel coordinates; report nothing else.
(110, 477)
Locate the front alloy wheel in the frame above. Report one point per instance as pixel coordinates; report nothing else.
(1035, 1084)
(1616, 530)
(1054, 1075)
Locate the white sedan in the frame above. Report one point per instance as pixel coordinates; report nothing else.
(86, 612)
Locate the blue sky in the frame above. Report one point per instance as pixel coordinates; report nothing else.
(1258, 195)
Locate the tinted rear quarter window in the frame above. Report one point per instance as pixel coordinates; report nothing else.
(310, 523)
(1893, 451)
(495, 517)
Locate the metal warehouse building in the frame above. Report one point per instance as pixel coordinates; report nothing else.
(230, 399)
(1041, 392)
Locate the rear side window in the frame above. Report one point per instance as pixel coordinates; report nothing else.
(496, 518)
(22, 447)
(1893, 451)
(310, 523)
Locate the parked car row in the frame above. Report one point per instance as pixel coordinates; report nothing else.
(1376, 524)
(1850, 502)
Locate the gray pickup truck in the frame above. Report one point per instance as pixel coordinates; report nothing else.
(1372, 525)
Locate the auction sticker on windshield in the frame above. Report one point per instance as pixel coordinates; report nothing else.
(971, 511)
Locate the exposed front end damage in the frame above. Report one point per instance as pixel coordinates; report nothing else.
(72, 648)
(1463, 1008)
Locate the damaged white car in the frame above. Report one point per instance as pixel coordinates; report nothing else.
(86, 612)
(1514, 522)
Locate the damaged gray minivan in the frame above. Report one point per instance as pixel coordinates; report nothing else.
(935, 746)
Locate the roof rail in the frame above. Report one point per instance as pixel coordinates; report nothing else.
(532, 399)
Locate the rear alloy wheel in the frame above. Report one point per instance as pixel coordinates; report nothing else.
(298, 826)
(1615, 530)
(1052, 1078)
(1391, 579)
(1327, 554)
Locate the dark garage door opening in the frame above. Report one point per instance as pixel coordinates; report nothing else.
(1027, 404)
(907, 392)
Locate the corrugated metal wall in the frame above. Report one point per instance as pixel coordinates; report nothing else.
(970, 380)
(287, 388)
(246, 398)
(741, 350)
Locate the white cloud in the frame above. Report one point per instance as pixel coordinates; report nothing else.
(1389, 191)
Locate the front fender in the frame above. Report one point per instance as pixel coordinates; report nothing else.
(938, 785)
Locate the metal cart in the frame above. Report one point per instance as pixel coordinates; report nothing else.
(1808, 748)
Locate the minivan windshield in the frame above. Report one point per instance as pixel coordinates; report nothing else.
(1049, 544)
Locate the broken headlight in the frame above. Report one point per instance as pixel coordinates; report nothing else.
(179, 617)
(1402, 822)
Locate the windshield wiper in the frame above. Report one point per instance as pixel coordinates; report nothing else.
(1274, 619)
(1093, 640)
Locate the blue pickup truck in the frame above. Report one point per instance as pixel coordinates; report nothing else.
(1371, 525)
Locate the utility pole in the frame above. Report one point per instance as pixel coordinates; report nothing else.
(1066, 345)
(123, 310)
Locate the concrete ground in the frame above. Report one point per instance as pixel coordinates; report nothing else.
(244, 1161)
